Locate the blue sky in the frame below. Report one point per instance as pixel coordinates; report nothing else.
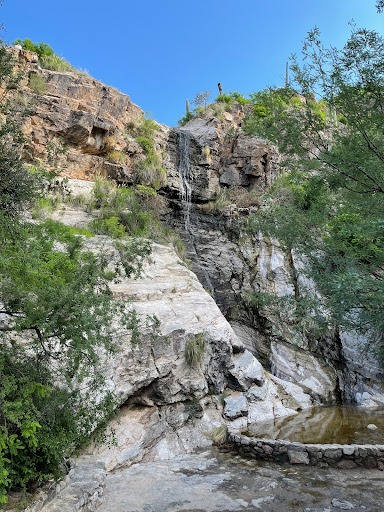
(162, 52)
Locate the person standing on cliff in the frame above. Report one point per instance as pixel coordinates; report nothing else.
(220, 89)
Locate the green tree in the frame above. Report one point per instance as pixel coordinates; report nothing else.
(57, 313)
(56, 317)
(17, 187)
(329, 205)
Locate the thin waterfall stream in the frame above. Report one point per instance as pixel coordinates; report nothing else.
(185, 178)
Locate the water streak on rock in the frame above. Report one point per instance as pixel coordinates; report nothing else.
(185, 178)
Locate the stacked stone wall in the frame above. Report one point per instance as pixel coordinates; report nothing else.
(347, 456)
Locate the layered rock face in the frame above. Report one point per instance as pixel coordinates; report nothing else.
(221, 156)
(170, 401)
(82, 116)
(332, 368)
(82, 123)
(91, 121)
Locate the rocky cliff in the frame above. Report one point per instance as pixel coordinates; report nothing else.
(207, 160)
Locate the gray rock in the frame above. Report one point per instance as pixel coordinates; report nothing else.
(235, 406)
(343, 505)
(247, 370)
(298, 457)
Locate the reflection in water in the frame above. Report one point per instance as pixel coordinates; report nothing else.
(325, 425)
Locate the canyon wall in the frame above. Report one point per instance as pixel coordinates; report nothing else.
(154, 383)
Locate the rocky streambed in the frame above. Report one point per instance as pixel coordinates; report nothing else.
(215, 481)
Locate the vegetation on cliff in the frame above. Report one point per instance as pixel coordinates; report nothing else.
(48, 59)
(56, 312)
(329, 206)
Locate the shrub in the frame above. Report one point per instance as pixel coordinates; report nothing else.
(194, 349)
(47, 57)
(146, 143)
(216, 207)
(80, 231)
(218, 435)
(224, 98)
(56, 63)
(240, 98)
(43, 206)
(109, 226)
(186, 118)
(117, 157)
(135, 223)
(201, 99)
(51, 289)
(147, 128)
(104, 193)
(78, 201)
(229, 97)
(150, 172)
(218, 109)
(37, 83)
(42, 49)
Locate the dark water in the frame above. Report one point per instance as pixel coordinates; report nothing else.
(325, 425)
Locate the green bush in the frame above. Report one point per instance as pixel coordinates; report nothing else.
(56, 63)
(147, 144)
(224, 98)
(233, 96)
(53, 290)
(43, 206)
(134, 211)
(36, 431)
(150, 172)
(109, 226)
(195, 349)
(37, 83)
(47, 57)
(186, 118)
(42, 49)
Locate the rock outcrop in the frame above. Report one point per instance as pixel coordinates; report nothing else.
(87, 128)
(333, 367)
(79, 121)
(170, 402)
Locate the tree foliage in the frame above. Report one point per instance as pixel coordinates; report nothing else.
(56, 318)
(47, 57)
(57, 312)
(17, 188)
(329, 205)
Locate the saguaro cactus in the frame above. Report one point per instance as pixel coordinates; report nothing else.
(286, 76)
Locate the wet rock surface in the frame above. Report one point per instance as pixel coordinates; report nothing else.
(215, 481)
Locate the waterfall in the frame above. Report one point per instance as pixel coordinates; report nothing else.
(185, 177)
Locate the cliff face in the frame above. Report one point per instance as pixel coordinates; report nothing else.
(92, 121)
(81, 114)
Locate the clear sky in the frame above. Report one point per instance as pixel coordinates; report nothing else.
(162, 52)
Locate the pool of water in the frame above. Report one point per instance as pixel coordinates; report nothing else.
(325, 425)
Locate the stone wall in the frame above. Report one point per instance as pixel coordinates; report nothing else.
(348, 456)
